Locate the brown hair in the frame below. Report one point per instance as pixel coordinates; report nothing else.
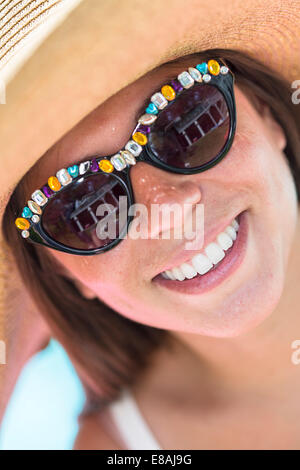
(114, 350)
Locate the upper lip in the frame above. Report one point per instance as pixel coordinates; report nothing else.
(210, 234)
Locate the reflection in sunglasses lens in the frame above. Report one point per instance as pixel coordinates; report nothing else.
(193, 130)
(78, 215)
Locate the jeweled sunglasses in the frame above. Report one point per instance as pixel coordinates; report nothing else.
(188, 127)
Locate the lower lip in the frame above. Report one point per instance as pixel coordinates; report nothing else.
(203, 283)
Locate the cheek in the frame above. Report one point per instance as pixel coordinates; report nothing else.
(101, 273)
(259, 165)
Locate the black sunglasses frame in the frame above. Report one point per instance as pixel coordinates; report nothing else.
(224, 83)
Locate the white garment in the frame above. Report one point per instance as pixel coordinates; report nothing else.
(131, 425)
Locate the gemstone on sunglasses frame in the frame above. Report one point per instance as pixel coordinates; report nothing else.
(94, 165)
(25, 233)
(195, 74)
(47, 191)
(202, 67)
(134, 148)
(22, 223)
(34, 207)
(206, 78)
(64, 177)
(53, 183)
(147, 119)
(224, 70)
(159, 100)
(168, 92)
(151, 109)
(35, 218)
(84, 167)
(73, 171)
(142, 128)
(39, 198)
(106, 166)
(186, 80)
(140, 138)
(176, 85)
(128, 157)
(213, 67)
(118, 162)
(27, 214)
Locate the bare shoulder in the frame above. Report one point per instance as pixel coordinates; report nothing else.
(97, 432)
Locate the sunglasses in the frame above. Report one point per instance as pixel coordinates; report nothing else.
(188, 127)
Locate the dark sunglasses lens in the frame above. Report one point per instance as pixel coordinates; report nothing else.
(87, 214)
(193, 130)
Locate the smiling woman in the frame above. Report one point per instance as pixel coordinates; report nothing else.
(189, 334)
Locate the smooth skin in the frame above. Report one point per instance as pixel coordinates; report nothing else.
(232, 374)
(232, 368)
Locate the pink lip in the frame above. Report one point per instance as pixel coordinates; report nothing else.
(219, 273)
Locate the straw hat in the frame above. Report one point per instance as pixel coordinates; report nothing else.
(94, 48)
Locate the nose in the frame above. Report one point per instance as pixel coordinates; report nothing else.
(153, 186)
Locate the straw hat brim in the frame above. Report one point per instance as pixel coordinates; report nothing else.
(102, 46)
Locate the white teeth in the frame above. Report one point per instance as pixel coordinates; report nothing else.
(164, 275)
(188, 270)
(201, 263)
(214, 252)
(231, 232)
(225, 241)
(235, 225)
(178, 274)
(170, 275)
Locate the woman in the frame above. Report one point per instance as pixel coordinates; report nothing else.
(199, 356)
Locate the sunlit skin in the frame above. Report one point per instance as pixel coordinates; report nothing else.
(231, 325)
(232, 368)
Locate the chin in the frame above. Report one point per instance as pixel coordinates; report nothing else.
(242, 310)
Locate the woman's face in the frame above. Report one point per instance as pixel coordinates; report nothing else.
(253, 180)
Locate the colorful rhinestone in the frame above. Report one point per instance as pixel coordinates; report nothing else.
(195, 74)
(39, 197)
(27, 213)
(134, 148)
(213, 67)
(206, 78)
(224, 70)
(168, 92)
(64, 177)
(202, 67)
(47, 191)
(151, 109)
(147, 119)
(128, 157)
(94, 165)
(175, 84)
(53, 183)
(140, 138)
(34, 207)
(84, 167)
(22, 224)
(106, 166)
(35, 218)
(186, 80)
(25, 233)
(159, 100)
(73, 171)
(118, 162)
